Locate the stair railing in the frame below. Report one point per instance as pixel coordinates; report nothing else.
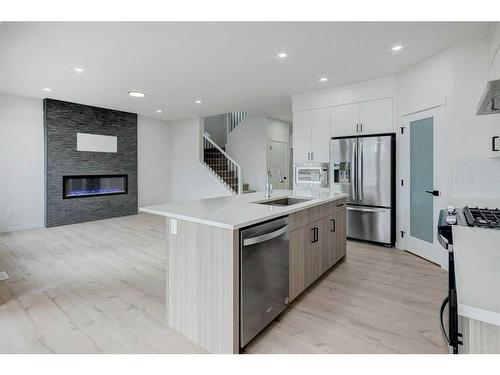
(234, 119)
(225, 168)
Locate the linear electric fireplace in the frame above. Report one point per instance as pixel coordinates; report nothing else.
(94, 185)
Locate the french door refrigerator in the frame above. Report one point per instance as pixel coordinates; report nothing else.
(364, 168)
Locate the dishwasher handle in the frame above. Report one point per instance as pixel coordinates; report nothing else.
(265, 237)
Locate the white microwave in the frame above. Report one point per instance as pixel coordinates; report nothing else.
(311, 174)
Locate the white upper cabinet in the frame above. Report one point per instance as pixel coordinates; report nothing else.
(315, 121)
(376, 116)
(344, 120)
(320, 135)
(301, 136)
(370, 117)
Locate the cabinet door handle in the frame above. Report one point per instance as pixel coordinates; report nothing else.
(494, 143)
(340, 205)
(357, 128)
(361, 126)
(312, 155)
(332, 225)
(314, 234)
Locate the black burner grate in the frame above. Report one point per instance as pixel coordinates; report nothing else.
(483, 217)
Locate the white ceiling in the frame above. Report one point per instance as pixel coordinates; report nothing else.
(227, 65)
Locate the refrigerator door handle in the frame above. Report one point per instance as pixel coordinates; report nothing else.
(360, 172)
(354, 177)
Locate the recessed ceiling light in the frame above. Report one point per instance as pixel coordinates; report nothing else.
(198, 101)
(137, 94)
(47, 89)
(282, 55)
(78, 70)
(159, 111)
(397, 47)
(323, 79)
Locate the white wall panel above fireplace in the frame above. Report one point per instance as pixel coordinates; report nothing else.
(96, 142)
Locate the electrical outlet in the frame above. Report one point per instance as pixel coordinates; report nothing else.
(11, 214)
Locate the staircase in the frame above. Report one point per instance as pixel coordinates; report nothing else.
(221, 165)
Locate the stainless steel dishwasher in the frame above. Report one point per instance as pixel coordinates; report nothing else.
(263, 276)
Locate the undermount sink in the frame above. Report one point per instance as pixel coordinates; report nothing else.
(284, 201)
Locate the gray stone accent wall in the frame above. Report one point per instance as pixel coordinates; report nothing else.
(62, 121)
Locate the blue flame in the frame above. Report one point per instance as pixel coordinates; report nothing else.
(96, 191)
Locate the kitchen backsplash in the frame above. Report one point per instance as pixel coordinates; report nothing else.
(476, 181)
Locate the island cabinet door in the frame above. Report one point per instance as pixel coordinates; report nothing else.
(340, 234)
(331, 241)
(336, 237)
(297, 258)
(305, 257)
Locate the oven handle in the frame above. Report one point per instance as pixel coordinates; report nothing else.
(441, 313)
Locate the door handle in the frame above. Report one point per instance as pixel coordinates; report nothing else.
(332, 225)
(494, 143)
(433, 192)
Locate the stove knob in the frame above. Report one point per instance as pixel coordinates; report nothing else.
(451, 210)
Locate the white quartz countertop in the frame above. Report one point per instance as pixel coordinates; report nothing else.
(238, 211)
(477, 272)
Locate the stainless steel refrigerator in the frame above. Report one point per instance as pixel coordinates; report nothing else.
(364, 168)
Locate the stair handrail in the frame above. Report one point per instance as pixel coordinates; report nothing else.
(238, 167)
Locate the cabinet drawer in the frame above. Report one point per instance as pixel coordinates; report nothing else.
(307, 216)
(339, 205)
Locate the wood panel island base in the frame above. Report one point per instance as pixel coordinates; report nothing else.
(203, 257)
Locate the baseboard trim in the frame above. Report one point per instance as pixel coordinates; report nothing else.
(21, 227)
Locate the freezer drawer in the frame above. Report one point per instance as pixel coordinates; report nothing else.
(369, 223)
(264, 279)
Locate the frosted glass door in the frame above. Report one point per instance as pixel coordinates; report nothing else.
(422, 179)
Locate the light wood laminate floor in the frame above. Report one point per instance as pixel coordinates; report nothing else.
(99, 287)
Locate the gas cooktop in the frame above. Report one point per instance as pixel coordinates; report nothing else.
(482, 217)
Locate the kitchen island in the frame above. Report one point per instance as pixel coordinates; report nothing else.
(203, 263)
(477, 272)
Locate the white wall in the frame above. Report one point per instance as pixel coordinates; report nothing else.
(189, 178)
(21, 163)
(475, 174)
(216, 126)
(494, 51)
(153, 161)
(247, 145)
(278, 130)
(424, 85)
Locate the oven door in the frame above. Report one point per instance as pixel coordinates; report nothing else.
(452, 336)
